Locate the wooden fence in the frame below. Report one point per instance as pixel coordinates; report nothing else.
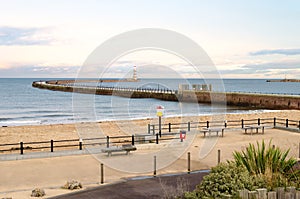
(279, 193)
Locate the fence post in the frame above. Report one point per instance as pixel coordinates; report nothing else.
(107, 141)
(274, 121)
(219, 156)
(189, 162)
(287, 123)
(101, 173)
(159, 126)
(169, 127)
(207, 124)
(280, 192)
(156, 138)
(154, 165)
(258, 121)
(252, 195)
(153, 129)
(132, 140)
(272, 195)
(148, 128)
(242, 123)
(80, 144)
(262, 193)
(21, 148)
(189, 126)
(51, 145)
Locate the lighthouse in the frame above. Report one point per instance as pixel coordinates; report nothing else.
(134, 74)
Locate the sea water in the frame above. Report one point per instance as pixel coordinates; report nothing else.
(21, 104)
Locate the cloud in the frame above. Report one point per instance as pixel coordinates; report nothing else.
(10, 36)
(277, 51)
(276, 69)
(39, 71)
(272, 65)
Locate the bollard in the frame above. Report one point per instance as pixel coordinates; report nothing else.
(21, 148)
(80, 144)
(101, 173)
(242, 123)
(107, 141)
(154, 169)
(287, 123)
(169, 127)
(219, 156)
(258, 121)
(51, 145)
(207, 124)
(189, 163)
(132, 140)
(189, 126)
(156, 138)
(274, 123)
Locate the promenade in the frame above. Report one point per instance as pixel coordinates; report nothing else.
(19, 177)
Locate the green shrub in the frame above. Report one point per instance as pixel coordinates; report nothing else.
(256, 167)
(226, 178)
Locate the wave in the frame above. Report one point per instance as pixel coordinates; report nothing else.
(19, 123)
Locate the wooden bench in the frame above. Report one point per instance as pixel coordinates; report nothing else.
(211, 130)
(257, 127)
(126, 147)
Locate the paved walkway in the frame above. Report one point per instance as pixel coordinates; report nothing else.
(150, 187)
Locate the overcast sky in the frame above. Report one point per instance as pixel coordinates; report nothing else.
(244, 39)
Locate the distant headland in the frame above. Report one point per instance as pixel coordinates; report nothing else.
(283, 80)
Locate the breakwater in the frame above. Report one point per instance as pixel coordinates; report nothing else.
(268, 101)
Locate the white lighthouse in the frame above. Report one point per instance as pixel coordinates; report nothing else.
(134, 74)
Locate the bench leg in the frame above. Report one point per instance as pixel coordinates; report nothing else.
(108, 154)
(127, 152)
(204, 134)
(263, 130)
(222, 132)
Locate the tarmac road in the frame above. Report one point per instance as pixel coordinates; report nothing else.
(153, 187)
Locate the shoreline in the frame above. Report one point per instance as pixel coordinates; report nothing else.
(245, 111)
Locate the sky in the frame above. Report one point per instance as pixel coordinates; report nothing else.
(244, 39)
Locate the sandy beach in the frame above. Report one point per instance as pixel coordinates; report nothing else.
(21, 176)
(16, 134)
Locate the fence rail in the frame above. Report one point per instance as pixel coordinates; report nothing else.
(169, 131)
(230, 124)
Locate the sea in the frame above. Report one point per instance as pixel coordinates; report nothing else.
(21, 104)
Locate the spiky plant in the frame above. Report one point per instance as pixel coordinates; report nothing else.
(270, 162)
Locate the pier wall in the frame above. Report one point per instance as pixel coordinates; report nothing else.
(268, 101)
